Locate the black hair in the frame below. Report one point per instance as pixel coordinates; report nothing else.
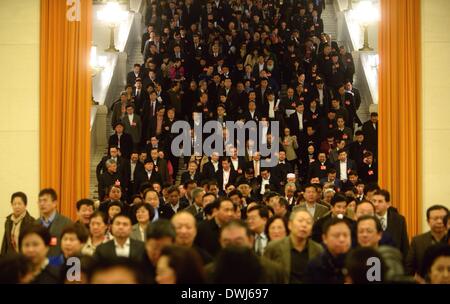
(40, 230)
(151, 211)
(237, 265)
(436, 207)
(100, 265)
(49, 191)
(338, 198)
(273, 219)
(78, 229)
(334, 221)
(21, 195)
(384, 193)
(238, 224)
(160, 229)
(13, 268)
(84, 201)
(263, 210)
(186, 263)
(356, 265)
(371, 217)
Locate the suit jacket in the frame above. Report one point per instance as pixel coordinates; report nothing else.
(7, 246)
(371, 136)
(351, 165)
(415, 258)
(294, 125)
(126, 144)
(133, 128)
(209, 171)
(316, 169)
(107, 251)
(272, 273)
(208, 237)
(162, 169)
(396, 228)
(167, 212)
(231, 178)
(186, 177)
(193, 210)
(368, 174)
(55, 229)
(280, 252)
(106, 180)
(248, 116)
(142, 177)
(136, 233)
(318, 213)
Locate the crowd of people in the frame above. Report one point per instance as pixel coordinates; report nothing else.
(315, 217)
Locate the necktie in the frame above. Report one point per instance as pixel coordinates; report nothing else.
(259, 245)
(383, 223)
(138, 92)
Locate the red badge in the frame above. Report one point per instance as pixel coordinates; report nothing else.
(330, 126)
(323, 167)
(370, 172)
(53, 241)
(344, 136)
(349, 60)
(347, 102)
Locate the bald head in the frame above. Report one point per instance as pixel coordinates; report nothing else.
(185, 228)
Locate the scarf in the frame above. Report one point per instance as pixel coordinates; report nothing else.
(15, 230)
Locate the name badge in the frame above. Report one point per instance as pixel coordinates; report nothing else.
(323, 167)
(54, 241)
(370, 172)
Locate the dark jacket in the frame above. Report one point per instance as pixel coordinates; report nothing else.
(325, 269)
(7, 246)
(208, 237)
(107, 251)
(55, 229)
(396, 228)
(126, 143)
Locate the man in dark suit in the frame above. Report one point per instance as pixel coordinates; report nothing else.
(370, 130)
(208, 231)
(358, 148)
(160, 165)
(319, 167)
(140, 96)
(19, 218)
(323, 95)
(286, 252)
(132, 124)
(338, 208)
(149, 175)
(368, 172)
(212, 167)
(391, 221)
(252, 113)
(297, 121)
(174, 205)
(131, 171)
(237, 235)
(121, 245)
(134, 74)
(122, 140)
(196, 209)
(344, 166)
(226, 174)
(51, 219)
(354, 92)
(191, 174)
(281, 170)
(420, 243)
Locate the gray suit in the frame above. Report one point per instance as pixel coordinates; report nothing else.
(133, 128)
(416, 253)
(136, 233)
(55, 229)
(318, 213)
(280, 252)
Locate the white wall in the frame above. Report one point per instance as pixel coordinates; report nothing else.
(19, 84)
(435, 104)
